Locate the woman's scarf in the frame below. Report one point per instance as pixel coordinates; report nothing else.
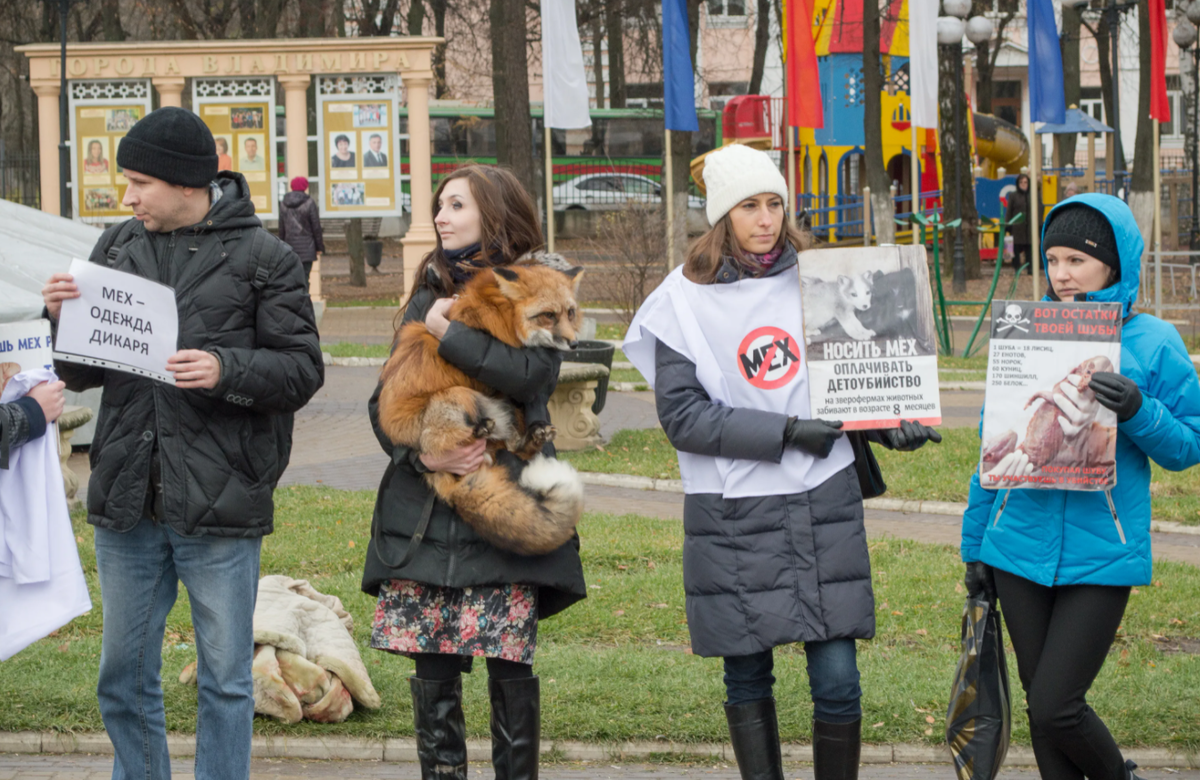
(465, 262)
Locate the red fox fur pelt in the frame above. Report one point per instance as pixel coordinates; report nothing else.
(429, 404)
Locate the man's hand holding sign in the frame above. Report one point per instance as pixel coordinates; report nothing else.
(124, 322)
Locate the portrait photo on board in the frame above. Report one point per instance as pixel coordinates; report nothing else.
(375, 155)
(101, 199)
(246, 118)
(344, 152)
(95, 155)
(252, 152)
(224, 142)
(121, 120)
(349, 193)
(370, 115)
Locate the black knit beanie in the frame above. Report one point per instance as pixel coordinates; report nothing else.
(173, 145)
(1084, 228)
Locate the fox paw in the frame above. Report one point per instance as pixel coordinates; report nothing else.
(541, 434)
(484, 428)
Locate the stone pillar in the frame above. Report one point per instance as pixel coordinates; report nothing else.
(421, 238)
(170, 90)
(47, 96)
(295, 106)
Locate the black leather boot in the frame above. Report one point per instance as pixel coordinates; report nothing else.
(516, 727)
(754, 732)
(836, 750)
(1129, 767)
(440, 727)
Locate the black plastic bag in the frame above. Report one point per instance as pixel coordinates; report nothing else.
(979, 718)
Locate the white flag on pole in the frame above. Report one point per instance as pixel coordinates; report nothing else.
(564, 81)
(922, 62)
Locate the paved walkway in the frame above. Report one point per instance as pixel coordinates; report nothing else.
(86, 767)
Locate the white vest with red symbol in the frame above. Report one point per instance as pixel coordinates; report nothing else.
(746, 340)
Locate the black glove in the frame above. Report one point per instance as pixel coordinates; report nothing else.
(980, 579)
(816, 437)
(1116, 392)
(908, 437)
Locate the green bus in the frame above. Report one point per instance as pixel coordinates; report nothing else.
(624, 144)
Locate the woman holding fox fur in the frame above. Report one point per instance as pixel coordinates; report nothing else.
(775, 550)
(473, 538)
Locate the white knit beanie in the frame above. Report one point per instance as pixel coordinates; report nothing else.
(737, 172)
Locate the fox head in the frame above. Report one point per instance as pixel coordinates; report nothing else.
(1087, 368)
(543, 301)
(856, 290)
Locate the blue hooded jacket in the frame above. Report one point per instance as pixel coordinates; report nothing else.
(1061, 537)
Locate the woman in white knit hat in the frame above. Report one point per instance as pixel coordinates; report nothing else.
(775, 551)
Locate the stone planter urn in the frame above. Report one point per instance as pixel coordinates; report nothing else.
(571, 406)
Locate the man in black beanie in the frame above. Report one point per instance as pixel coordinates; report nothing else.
(183, 474)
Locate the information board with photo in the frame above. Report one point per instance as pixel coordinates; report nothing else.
(1042, 425)
(869, 336)
(358, 151)
(98, 181)
(243, 131)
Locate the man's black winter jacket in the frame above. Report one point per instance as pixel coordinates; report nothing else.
(220, 452)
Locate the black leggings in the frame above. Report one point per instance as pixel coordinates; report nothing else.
(1061, 637)
(1022, 253)
(437, 666)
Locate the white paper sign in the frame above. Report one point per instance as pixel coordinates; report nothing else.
(872, 347)
(24, 346)
(119, 321)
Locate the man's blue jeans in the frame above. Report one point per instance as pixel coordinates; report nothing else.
(832, 676)
(139, 576)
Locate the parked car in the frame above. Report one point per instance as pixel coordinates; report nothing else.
(599, 191)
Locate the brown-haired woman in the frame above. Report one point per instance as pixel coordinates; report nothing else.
(445, 594)
(774, 551)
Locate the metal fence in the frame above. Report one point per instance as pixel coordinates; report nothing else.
(20, 178)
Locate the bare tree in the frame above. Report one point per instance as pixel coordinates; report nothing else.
(1072, 24)
(986, 53)
(633, 245)
(1141, 185)
(615, 33)
(510, 90)
(1102, 33)
(762, 38)
(958, 185)
(882, 206)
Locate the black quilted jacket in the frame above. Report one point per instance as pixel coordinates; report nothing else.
(300, 226)
(220, 452)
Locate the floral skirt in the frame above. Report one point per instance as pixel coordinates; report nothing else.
(493, 621)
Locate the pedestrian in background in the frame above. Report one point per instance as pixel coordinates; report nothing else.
(1018, 203)
(775, 550)
(457, 596)
(300, 226)
(184, 474)
(1062, 562)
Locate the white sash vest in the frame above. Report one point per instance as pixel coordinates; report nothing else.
(746, 340)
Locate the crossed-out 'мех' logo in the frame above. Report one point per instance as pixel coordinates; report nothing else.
(768, 358)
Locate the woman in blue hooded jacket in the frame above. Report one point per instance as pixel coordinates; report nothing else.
(1062, 562)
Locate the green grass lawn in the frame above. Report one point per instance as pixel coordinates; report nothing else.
(617, 666)
(350, 349)
(937, 473)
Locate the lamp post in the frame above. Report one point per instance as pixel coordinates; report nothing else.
(950, 30)
(1185, 35)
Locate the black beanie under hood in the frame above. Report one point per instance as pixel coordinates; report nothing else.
(171, 144)
(1084, 228)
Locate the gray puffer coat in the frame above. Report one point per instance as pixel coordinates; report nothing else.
(217, 454)
(768, 570)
